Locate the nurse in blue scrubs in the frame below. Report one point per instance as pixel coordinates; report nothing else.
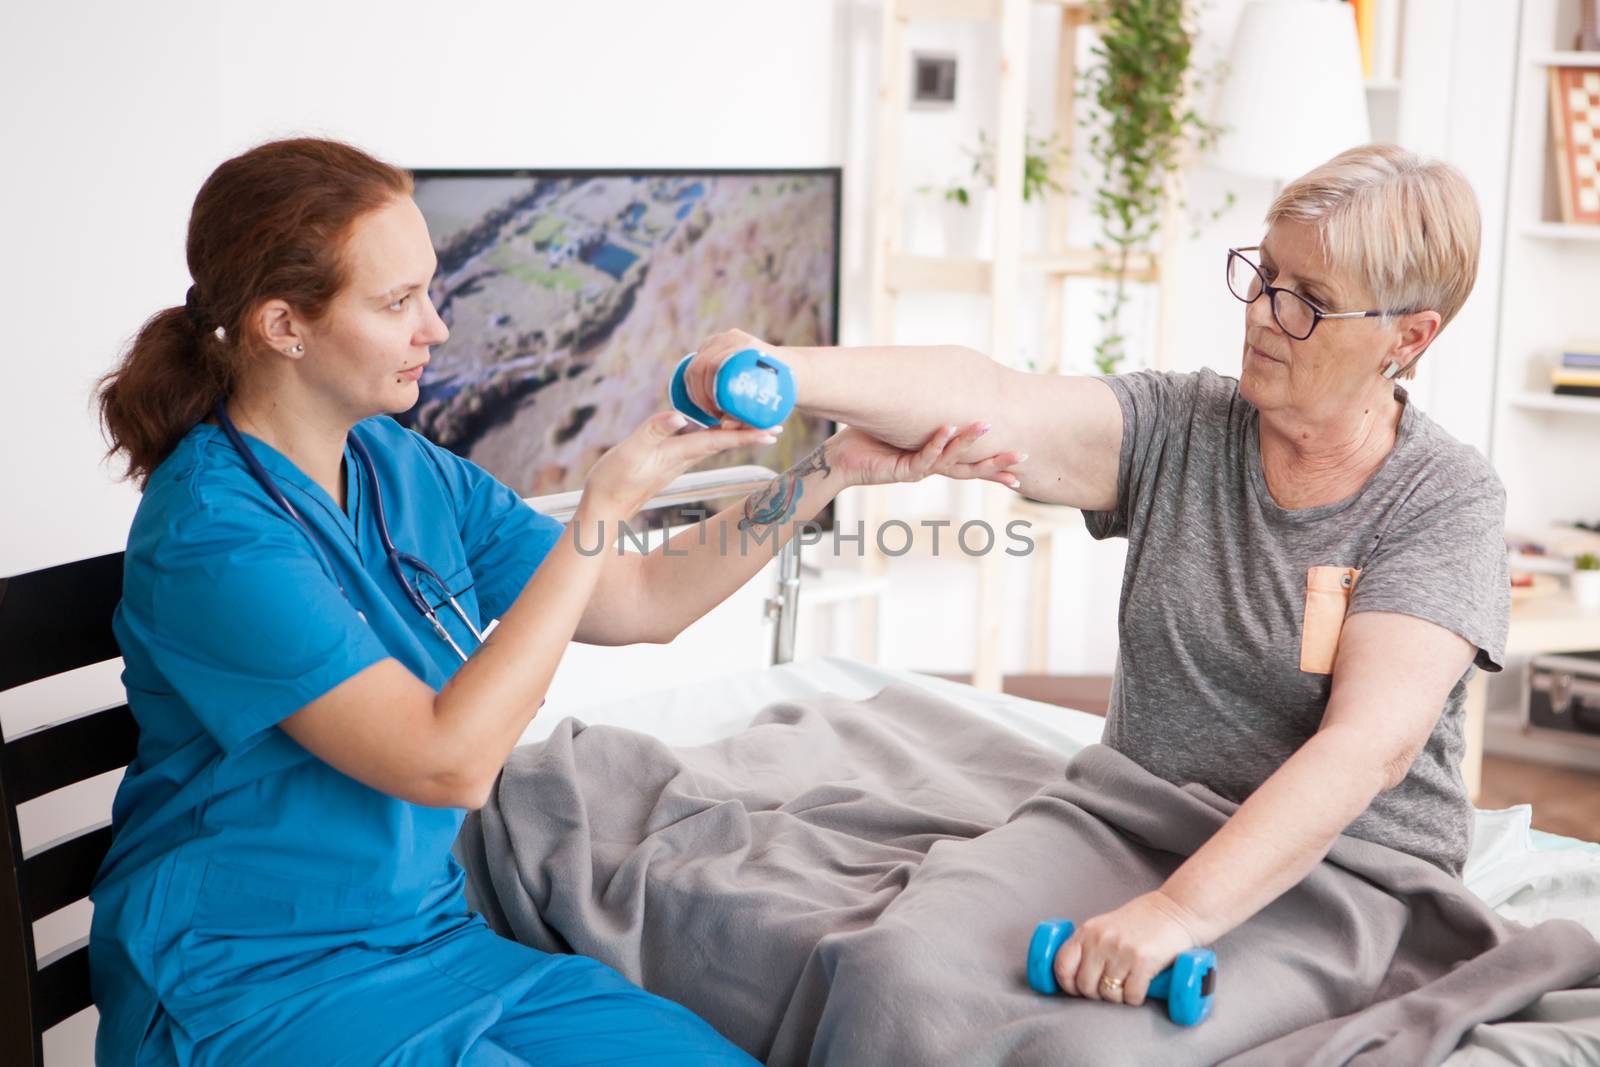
(280, 888)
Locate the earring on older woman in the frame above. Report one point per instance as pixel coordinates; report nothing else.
(1394, 366)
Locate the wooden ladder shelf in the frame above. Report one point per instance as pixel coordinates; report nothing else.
(892, 271)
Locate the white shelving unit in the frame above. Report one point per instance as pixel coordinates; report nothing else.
(1386, 81)
(1568, 405)
(1561, 59)
(1560, 231)
(1547, 299)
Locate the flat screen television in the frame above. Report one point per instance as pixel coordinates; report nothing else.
(572, 295)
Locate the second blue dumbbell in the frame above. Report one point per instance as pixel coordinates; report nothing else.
(751, 386)
(1188, 986)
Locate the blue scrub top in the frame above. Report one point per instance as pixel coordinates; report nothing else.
(244, 869)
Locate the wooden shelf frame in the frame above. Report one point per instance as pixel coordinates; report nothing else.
(893, 272)
(955, 274)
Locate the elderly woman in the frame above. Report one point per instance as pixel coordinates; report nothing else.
(1314, 566)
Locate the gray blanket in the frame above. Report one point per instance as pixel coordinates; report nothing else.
(856, 883)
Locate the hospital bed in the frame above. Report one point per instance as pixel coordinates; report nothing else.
(1524, 874)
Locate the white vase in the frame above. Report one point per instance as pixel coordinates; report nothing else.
(1586, 589)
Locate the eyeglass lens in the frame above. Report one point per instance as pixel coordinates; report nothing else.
(1294, 315)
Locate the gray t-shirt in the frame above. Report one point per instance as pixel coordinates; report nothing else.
(1209, 685)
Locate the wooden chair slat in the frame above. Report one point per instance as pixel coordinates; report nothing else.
(53, 757)
(58, 619)
(61, 990)
(61, 875)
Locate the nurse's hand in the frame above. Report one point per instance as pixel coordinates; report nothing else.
(648, 459)
(865, 460)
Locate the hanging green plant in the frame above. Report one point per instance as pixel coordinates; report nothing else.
(1140, 82)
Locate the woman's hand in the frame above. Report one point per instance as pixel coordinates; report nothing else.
(644, 462)
(865, 460)
(1130, 946)
(700, 376)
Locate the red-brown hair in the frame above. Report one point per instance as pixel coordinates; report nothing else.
(268, 224)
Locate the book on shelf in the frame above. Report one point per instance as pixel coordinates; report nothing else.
(1581, 352)
(1366, 14)
(1569, 376)
(1578, 390)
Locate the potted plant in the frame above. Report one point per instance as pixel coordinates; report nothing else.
(1586, 581)
(965, 199)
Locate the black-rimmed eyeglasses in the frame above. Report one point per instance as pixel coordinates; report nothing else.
(1295, 315)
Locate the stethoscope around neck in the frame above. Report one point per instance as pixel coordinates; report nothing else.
(397, 559)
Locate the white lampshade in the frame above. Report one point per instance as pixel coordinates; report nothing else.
(1293, 96)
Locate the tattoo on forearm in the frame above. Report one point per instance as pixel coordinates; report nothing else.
(778, 500)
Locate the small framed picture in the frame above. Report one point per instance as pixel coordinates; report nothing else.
(933, 80)
(1575, 131)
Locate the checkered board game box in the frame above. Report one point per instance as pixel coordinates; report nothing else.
(1575, 124)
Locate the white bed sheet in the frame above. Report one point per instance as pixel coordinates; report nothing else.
(1525, 875)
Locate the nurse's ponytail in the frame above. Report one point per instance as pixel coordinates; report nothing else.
(268, 224)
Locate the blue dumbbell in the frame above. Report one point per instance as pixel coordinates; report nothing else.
(1188, 986)
(751, 386)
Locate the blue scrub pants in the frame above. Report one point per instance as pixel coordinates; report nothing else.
(472, 999)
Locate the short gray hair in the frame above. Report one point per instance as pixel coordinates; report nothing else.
(1405, 225)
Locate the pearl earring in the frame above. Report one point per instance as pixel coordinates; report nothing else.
(296, 350)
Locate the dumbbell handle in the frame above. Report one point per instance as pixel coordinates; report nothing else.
(1161, 985)
(746, 370)
(1188, 985)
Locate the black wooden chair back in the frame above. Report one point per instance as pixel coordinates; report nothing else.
(52, 621)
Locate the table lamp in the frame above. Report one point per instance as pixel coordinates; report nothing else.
(1293, 96)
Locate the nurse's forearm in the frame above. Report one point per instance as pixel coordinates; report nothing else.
(1280, 833)
(702, 566)
(901, 394)
(481, 712)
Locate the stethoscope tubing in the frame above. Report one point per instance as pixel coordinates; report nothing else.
(396, 559)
